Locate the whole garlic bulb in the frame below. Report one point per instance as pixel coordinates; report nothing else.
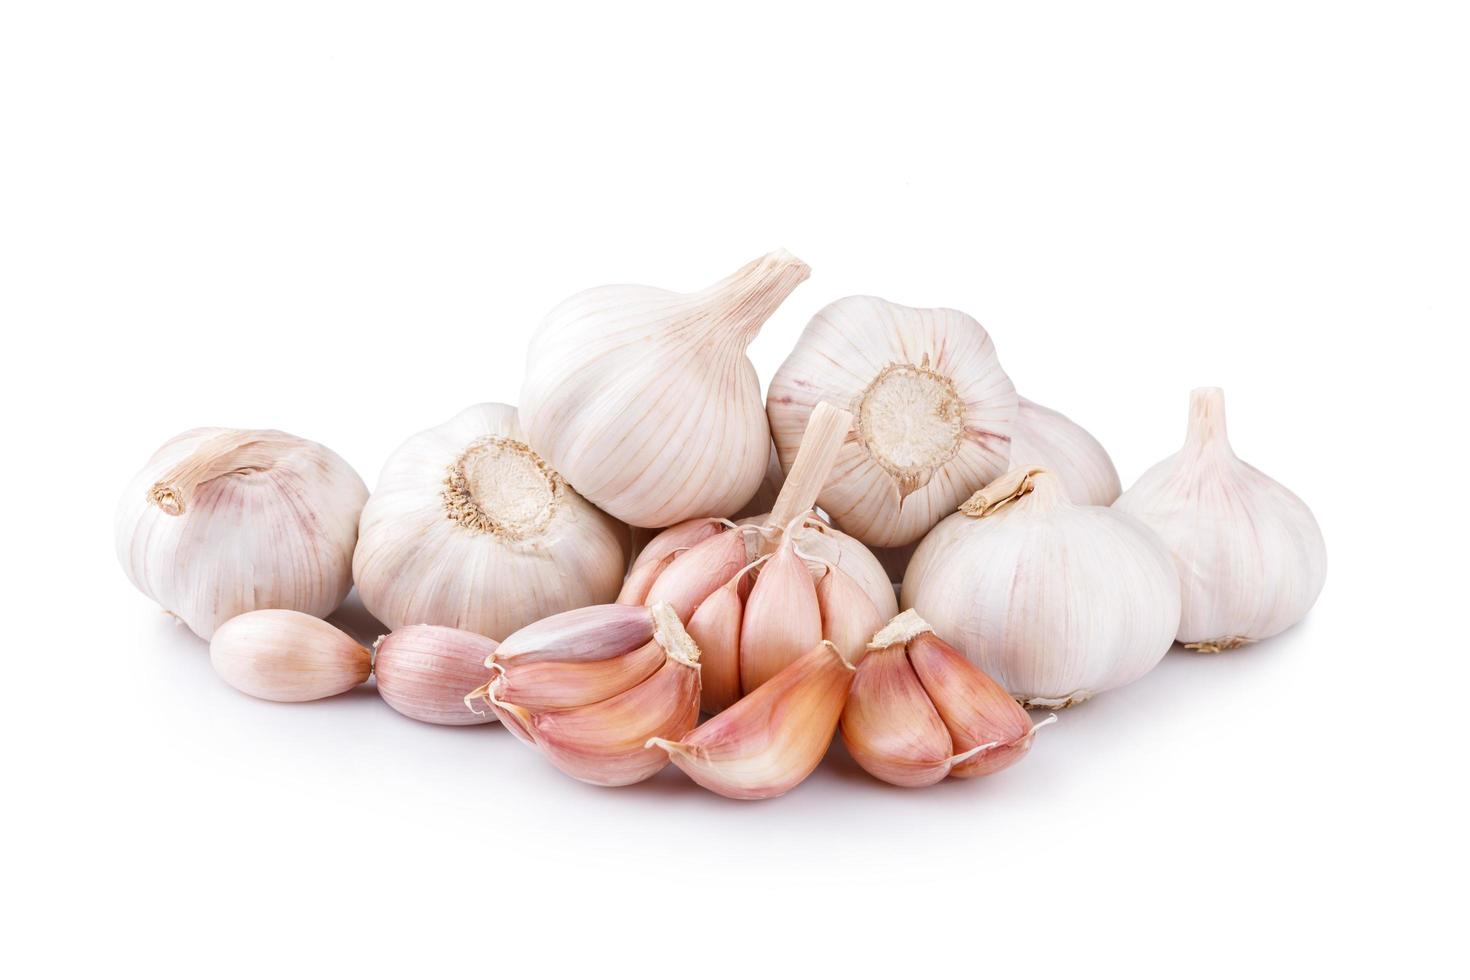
(226, 521)
(934, 413)
(1051, 440)
(1056, 601)
(645, 400)
(1250, 555)
(470, 528)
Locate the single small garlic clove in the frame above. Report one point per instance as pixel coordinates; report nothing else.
(849, 618)
(771, 739)
(782, 619)
(547, 685)
(589, 633)
(715, 626)
(695, 573)
(284, 655)
(660, 553)
(890, 726)
(423, 672)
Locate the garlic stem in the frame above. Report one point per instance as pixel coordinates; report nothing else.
(1206, 429)
(1009, 488)
(825, 433)
(743, 301)
(232, 451)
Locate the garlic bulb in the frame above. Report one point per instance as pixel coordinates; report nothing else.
(469, 528)
(424, 672)
(1056, 601)
(1250, 555)
(1069, 452)
(284, 655)
(934, 413)
(645, 400)
(226, 521)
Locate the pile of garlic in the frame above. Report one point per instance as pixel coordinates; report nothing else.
(501, 549)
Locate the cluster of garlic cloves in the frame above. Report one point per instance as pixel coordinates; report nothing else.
(591, 688)
(608, 361)
(226, 521)
(919, 711)
(468, 527)
(1250, 555)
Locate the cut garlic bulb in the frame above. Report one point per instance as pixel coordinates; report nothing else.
(645, 400)
(424, 672)
(469, 528)
(1250, 555)
(226, 521)
(284, 655)
(1056, 601)
(1069, 452)
(934, 413)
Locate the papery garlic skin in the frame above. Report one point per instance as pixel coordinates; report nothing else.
(1050, 440)
(468, 527)
(226, 521)
(1056, 601)
(423, 673)
(1250, 555)
(645, 400)
(934, 413)
(284, 655)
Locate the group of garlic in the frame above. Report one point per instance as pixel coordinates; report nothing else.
(645, 543)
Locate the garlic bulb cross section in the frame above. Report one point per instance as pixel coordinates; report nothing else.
(1250, 555)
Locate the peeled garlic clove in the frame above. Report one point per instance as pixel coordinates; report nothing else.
(890, 726)
(1054, 442)
(226, 521)
(645, 399)
(590, 633)
(468, 527)
(1250, 555)
(1055, 601)
(849, 618)
(771, 739)
(695, 573)
(782, 619)
(424, 671)
(549, 684)
(284, 655)
(934, 412)
(715, 627)
(981, 717)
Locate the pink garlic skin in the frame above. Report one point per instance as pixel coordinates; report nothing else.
(424, 672)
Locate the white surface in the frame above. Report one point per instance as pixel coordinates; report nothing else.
(344, 221)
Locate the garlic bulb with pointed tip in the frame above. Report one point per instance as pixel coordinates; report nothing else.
(226, 521)
(645, 400)
(1051, 440)
(468, 527)
(1250, 555)
(1056, 601)
(934, 413)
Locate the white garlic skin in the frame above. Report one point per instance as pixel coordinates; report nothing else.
(934, 413)
(468, 527)
(644, 399)
(283, 655)
(1056, 601)
(1250, 555)
(277, 532)
(1049, 439)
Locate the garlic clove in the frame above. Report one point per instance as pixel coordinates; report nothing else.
(679, 538)
(589, 633)
(890, 726)
(1049, 439)
(640, 579)
(284, 655)
(771, 739)
(782, 619)
(696, 573)
(849, 618)
(226, 521)
(645, 399)
(423, 672)
(1250, 556)
(545, 685)
(978, 712)
(715, 627)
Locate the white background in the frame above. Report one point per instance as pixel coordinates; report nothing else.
(345, 220)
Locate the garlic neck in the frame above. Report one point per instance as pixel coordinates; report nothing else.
(821, 441)
(1206, 430)
(232, 451)
(670, 634)
(737, 306)
(910, 419)
(1040, 489)
(502, 487)
(900, 630)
